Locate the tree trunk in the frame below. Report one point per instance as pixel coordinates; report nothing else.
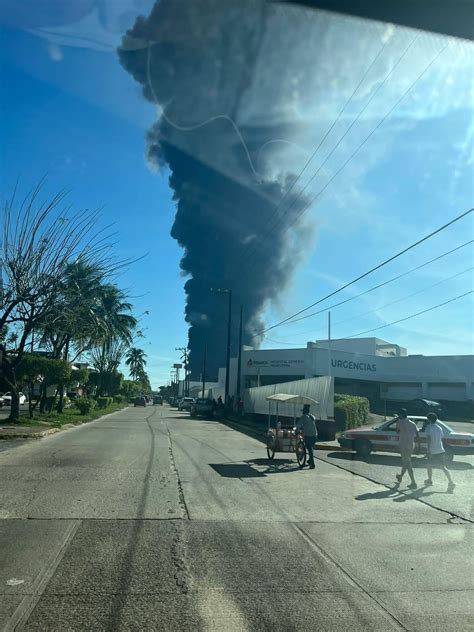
(44, 386)
(60, 406)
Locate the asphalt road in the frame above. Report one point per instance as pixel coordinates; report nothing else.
(149, 520)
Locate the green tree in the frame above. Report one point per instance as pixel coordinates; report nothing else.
(136, 362)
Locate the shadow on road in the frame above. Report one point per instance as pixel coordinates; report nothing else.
(245, 470)
(236, 470)
(120, 598)
(393, 460)
(393, 492)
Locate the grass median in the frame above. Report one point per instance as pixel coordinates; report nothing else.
(68, 416)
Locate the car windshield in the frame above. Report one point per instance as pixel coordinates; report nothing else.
(227, 206)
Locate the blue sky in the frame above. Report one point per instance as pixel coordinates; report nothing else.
(73, 113)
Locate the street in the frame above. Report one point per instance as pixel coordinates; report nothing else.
(150, 520)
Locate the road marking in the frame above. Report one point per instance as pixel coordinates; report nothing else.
(355, 583)
(28, 603)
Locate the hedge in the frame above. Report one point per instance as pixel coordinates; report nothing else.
(104, 402)
(85, 405)
(350, 411)
(120, 399)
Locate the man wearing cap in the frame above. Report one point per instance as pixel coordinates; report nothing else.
(307, 424)
(407, 433)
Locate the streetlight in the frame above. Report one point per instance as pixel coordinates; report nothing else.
(227, 291)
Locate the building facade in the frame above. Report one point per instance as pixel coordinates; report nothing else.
(365, 366)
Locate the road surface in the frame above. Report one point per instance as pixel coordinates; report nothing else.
(149, 520)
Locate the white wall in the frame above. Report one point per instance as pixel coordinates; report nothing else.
(431, 377)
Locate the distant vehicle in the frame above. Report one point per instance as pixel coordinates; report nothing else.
(203, 407)
(172, 401)
(185, 403)
(7, 398)
(424, 406)
(140, 401)
(384, 438)
(157, 399)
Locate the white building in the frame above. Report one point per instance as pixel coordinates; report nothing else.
(364, 366)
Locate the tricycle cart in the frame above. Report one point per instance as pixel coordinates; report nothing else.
(282, 436)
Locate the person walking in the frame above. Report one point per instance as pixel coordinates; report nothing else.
(407, 433)
(307, 424)
(435, 451)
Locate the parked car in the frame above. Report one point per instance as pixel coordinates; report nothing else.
(140, 401)
(157, 399)
(384, 438)
(203, 407)
(185, 403)
(7, 398)
(1, 401)
(424, 406)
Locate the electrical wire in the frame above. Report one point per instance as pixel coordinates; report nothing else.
(382, 120)
(379, 285)
(365, 274)
(401, 320)
(374, 311)
(336, 120)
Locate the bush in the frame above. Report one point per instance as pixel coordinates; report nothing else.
(85, 405)
(350, 411)
(104, 402)
(119, 399)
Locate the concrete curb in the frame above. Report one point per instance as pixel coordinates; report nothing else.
(50, 431)
(259, 434)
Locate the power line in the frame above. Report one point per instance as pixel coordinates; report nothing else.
(362, 276)
(336, 120)
(369, 101)
(382, 120)
(401, 320)
(373, 311)
(379, 285)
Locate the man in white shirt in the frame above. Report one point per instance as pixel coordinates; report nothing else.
(307, 424)
(407, 433)
(435, 451)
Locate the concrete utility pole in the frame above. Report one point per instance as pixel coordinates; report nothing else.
(204, 371)
(227, 291)
(329, 345)
(239, 361)
(184, 351)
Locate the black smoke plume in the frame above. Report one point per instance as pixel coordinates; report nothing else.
(218, 76)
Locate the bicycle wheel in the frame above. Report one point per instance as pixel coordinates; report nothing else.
(301, 453)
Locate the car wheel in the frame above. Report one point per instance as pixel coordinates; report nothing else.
(363, 447)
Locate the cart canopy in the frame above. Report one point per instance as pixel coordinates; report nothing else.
(286, 398)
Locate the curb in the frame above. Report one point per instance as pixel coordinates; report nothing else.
(259, 434)
(30, 435)
(50, 431)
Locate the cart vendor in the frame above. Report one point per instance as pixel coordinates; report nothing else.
(307, 424)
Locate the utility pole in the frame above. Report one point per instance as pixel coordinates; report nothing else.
(227, 291)
(204, 371)
(239, 361)
(329, 345)
(184, 351)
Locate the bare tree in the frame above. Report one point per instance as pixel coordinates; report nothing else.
(40, 240)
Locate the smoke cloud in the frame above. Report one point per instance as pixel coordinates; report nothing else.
(211, 67)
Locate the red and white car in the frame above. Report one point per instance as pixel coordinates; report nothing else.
(384, 438)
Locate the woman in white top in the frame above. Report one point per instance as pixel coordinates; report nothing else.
(435, 451)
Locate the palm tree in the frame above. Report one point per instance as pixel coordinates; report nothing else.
(136, 362)
(114, 328)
